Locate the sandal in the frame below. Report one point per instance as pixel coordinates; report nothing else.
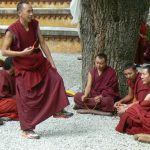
(63, 114)
(30, 134)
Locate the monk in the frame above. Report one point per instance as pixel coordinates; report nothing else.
(101, 90)
(40, 91)
(142, 44)
(8, 107)
(137, 118)
(143, 50)
(136, 89)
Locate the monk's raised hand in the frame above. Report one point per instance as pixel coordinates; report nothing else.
(27, 51)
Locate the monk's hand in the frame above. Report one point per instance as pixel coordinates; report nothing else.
(117, 104)
(98, 99)
(27, 51)
(84, 98)
(122, 108)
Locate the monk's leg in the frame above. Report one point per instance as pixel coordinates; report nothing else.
(107, 104)
(89, 104)
(78, 102)
(89, 107)
(8, 108)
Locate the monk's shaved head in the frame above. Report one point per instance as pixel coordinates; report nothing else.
(102, 56)
(147, 67)
(21, 4)
(129, 66)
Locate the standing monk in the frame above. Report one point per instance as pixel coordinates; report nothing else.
(102, 87)
(8, 107)
(136, 89)
(40, 90)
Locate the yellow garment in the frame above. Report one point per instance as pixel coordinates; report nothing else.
(70, 93)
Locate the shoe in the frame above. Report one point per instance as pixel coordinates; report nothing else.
(63, 114)
(30, 134)
(1, 122)
(69, 114)
(6, 118)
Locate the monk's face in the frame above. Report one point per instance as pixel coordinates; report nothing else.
(130, 74)
(145, 76)
(26, 14)
(100, 63)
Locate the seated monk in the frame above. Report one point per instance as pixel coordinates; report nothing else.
(136, 120)
(101, 90)
(136, 89)
(8, 108)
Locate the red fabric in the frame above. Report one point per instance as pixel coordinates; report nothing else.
(40, 90)
(7, 85)
(32, 73)
(143, 50)
(140, 90)
(136, 119)
(8, 107)
(106, 85)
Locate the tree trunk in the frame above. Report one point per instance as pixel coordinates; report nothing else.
(110, 26)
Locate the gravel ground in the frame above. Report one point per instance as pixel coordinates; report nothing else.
(81, 132)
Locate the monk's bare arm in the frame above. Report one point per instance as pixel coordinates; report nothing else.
(128, 97)
(45, 48)
(6, 45)
(88, 85)
(6, 51)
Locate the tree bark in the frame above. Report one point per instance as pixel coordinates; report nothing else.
(112, 27)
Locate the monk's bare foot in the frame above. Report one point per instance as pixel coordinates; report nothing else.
(136, 136)
(30, 134)
(145, 138)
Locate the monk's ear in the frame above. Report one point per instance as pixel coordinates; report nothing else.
(19, 13)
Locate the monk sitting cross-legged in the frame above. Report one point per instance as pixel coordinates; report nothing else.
(8, 107)
(101, 90)
(136, 89)
(136, 120)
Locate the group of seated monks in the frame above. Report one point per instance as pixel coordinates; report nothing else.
(101, 96)
(8, 108)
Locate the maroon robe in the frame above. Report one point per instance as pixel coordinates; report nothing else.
(140, 90)
(106, 85)
(40, 90)
(136, 119)
(143, 50)
(8, 107)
